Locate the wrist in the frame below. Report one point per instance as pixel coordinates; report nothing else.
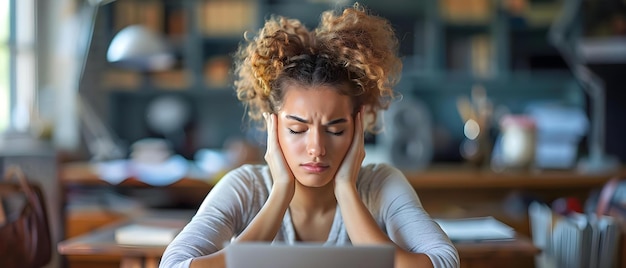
(345, 188)
(283, 189)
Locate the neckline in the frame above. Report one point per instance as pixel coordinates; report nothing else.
(333, 234)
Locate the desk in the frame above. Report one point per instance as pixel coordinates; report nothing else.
(445, 192)
(101, 244)
(520, 252)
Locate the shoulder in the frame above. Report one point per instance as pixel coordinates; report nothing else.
(247, 186)
(379, 176)
(249, 171)
(247, 177)
(378, 172)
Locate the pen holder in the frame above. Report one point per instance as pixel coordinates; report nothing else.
(476, 145)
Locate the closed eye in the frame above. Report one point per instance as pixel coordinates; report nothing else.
(291, 131)
(339, 133)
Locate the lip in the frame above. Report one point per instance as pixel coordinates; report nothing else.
(315, 167)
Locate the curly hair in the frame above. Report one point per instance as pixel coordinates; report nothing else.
(354, 48)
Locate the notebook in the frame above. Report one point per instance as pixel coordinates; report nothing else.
(308, 255)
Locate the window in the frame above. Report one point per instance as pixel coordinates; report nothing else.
(18, 77)
(5, 59)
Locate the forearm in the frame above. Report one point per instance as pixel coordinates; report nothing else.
(360, 224)
(267, 222)
(263, 227)
(363, 229)
(405, 259)
(215, 260)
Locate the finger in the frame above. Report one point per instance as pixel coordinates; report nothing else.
(361, 125)
(359, 138)
(271, 131)
(358, 148)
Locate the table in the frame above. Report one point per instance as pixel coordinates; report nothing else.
(445, 192)
(520, 252)
(101, 243)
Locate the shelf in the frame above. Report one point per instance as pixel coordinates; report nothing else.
(604, 50)
(465, 178)
(467, 28)
(217, 92)
(527, 81)
(84, 174)
(436, 177)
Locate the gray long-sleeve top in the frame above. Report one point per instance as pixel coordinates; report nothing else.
(235, 200)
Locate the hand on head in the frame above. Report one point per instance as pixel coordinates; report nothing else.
(281, 173)
(351, 164)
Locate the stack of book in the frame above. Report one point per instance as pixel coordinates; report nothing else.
(574, 240)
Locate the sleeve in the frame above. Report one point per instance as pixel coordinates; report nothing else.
(405, 220)
(220, 217)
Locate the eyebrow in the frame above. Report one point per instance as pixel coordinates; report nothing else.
(304, 121)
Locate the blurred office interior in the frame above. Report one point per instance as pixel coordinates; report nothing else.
(167, 106)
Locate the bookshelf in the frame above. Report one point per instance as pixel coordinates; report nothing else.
(448, 46)
(499, 45)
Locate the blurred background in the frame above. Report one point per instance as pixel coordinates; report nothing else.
(449, 48)
(143, 88)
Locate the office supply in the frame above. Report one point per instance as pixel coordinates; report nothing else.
(479, 228)
(308, 255)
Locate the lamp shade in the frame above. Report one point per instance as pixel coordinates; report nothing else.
(138, 48)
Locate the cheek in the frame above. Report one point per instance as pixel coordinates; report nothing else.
(340, 145)
(289, 144)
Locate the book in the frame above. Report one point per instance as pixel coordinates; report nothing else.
(476, 229)
(574, 240)
(146, 234)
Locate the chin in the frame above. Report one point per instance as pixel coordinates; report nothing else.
(314, 180)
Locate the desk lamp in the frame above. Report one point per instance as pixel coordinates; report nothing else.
(576, 52)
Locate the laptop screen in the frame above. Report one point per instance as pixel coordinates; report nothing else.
(308, 255)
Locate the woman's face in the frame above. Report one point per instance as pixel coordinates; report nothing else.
(315, 130)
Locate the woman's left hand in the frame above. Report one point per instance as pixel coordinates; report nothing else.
(351, 164)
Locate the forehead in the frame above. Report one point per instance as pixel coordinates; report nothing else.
(325, 100)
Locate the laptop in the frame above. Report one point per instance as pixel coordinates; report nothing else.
(308, 255)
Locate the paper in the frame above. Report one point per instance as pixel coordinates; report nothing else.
(472, 229)
(144, 234)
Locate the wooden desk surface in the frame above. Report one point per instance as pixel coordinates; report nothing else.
(102, 240)
(85, 173)
(521, 246)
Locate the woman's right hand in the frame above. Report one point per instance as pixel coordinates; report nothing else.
(281, 173)
(267, 222)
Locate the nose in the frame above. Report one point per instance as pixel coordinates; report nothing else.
(315, 144)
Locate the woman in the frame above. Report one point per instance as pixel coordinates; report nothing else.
(312, 90)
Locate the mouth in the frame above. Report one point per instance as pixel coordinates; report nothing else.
(315, 167)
